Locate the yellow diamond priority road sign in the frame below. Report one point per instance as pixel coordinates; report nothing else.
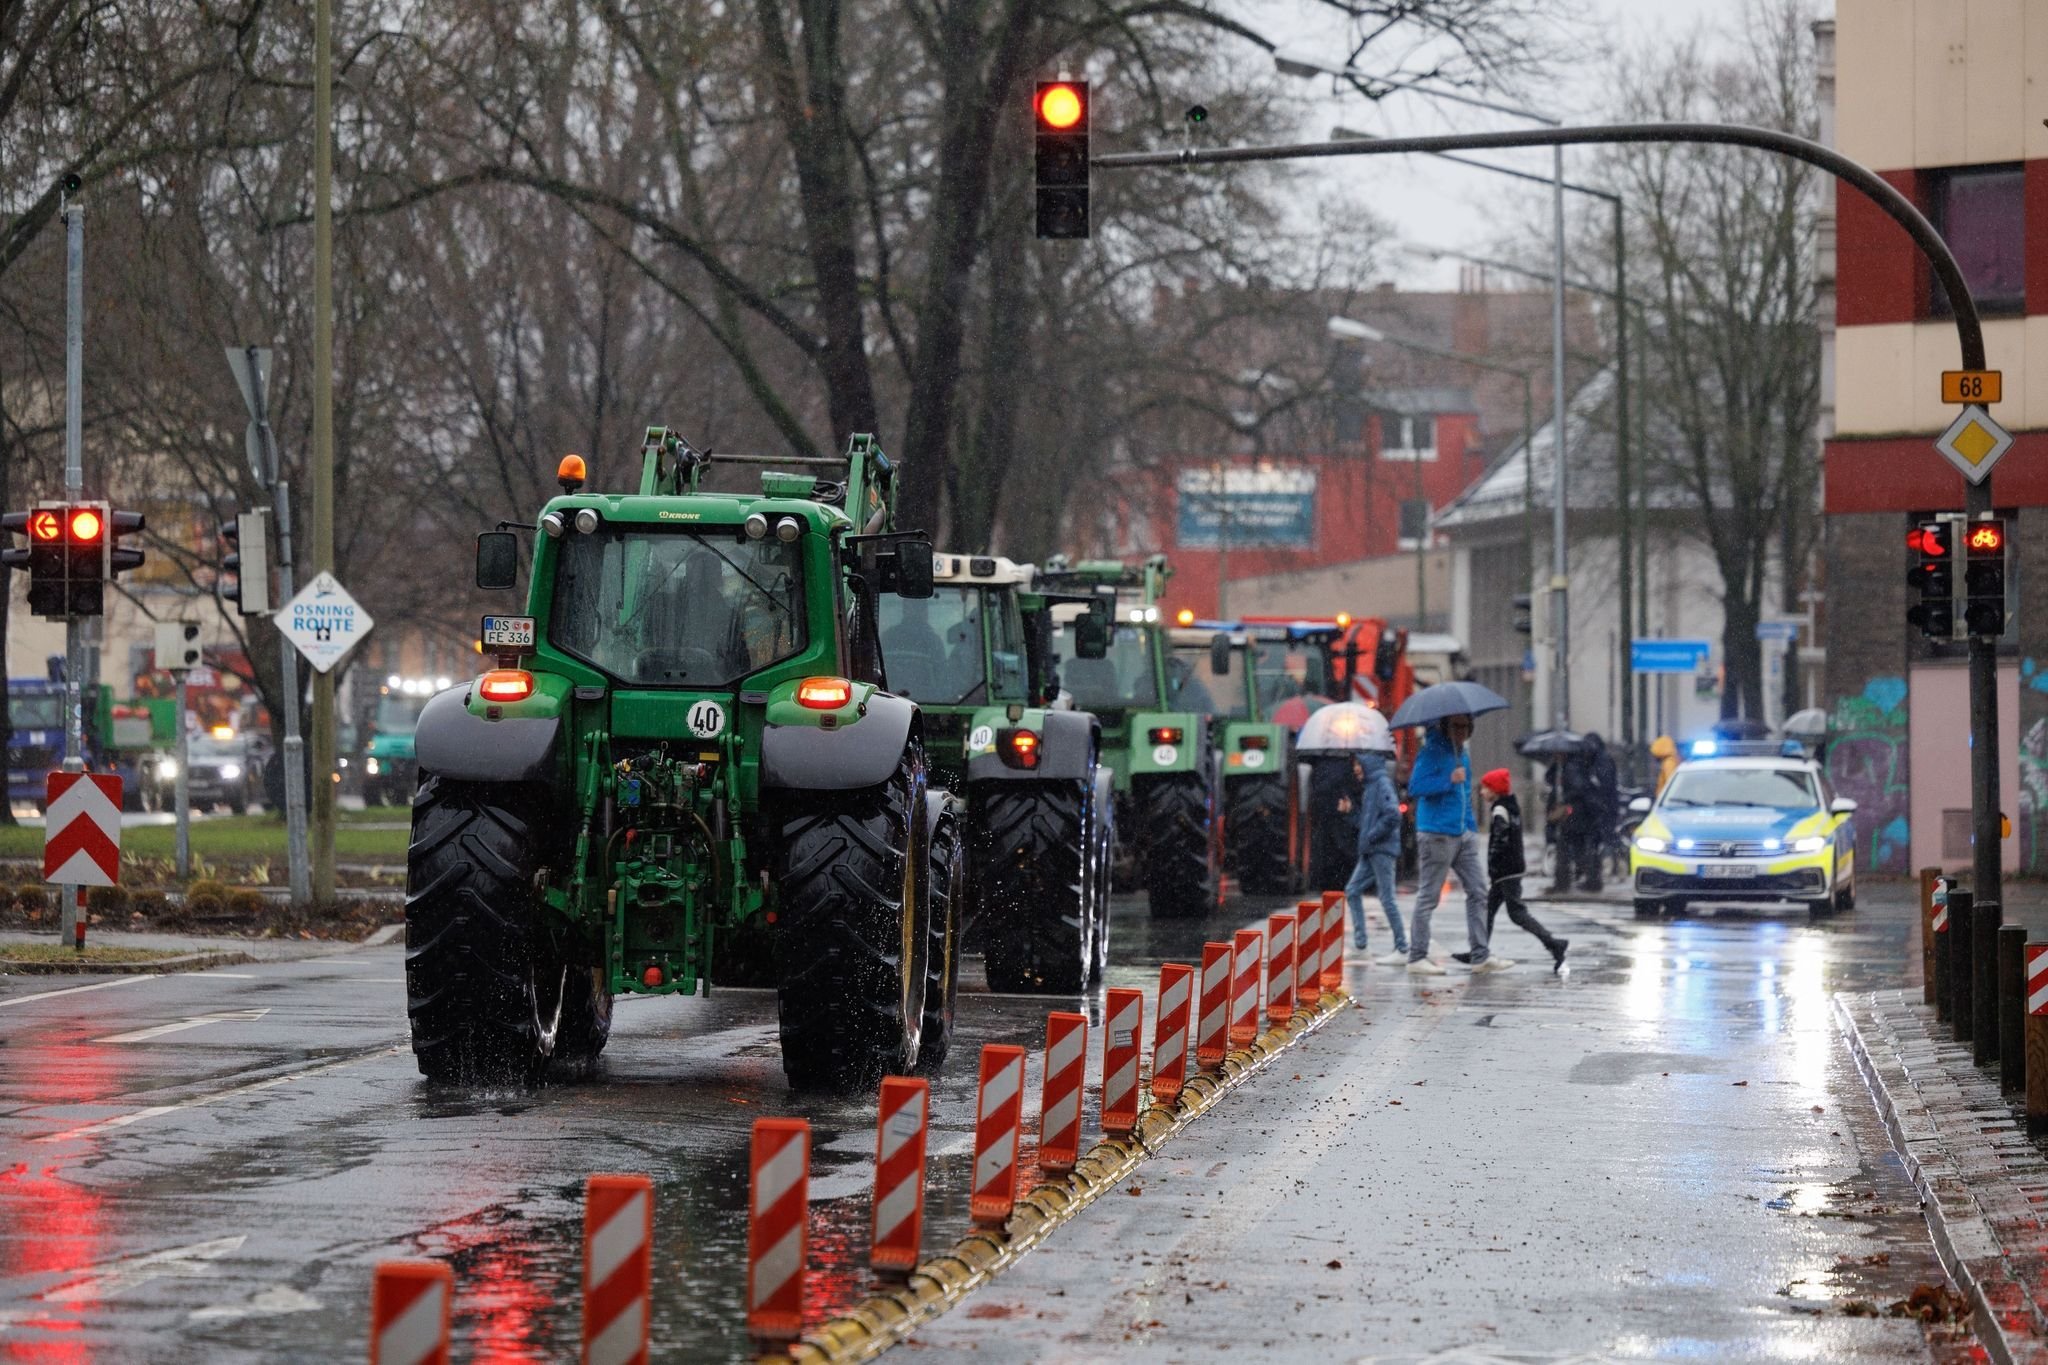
(1973, 443)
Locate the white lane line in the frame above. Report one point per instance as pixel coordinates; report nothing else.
(269, 1304)
(222, 976)
(74, 990)
(143, 1035)
(111, 1276)
(158, 1110)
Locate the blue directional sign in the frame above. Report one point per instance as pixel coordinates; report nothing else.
(1668, 656)
(1788, 631)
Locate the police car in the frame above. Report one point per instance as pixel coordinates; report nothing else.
(1745, 822)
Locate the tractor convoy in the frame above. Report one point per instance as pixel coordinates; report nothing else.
(767, 738)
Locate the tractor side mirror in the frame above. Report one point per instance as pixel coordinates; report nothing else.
(1091, 633)
(497, 559)
(914, 573)
(1219, 654)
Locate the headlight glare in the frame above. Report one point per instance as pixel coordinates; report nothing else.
(1812, 843)
(1650, 843)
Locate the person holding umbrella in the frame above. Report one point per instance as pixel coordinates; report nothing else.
(1446, 829)
(1379, 840)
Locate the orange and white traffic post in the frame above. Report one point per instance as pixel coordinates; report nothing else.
(1333, 940)
(409, 1308)
(618, 1268)
(1308, 951)
(1170, 1036)
(1244, 987)
(1280, 967)
(1122, 1036)
(778, 1224)
(1059, 1109)
(896, 1241)
(998, 1115)
(1212, 1012)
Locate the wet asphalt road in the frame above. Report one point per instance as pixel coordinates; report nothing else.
(1580, 1172)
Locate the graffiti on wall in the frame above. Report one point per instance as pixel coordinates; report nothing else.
(2032, 826)
(1867, 762)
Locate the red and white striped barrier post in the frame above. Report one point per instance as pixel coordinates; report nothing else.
(1280, 967)
(1059, 1109)
(1333, 940)
(1170, 1036)
(997, 1117)
(1212, 1031)
(1122, 1034)
(618, 1268)
(2036, 1042)
(778, 1218)
(1308, 952)
(896, 1240)
(1244, 987)
(409, 1306)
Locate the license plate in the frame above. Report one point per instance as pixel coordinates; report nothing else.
(1727, 871)
(508, 632)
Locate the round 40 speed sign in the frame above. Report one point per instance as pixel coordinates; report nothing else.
(707, 719)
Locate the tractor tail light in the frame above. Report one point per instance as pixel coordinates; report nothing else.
(824, 694)
(1252, 742)
(1166, 734)
(1020, 748)
(506, 684)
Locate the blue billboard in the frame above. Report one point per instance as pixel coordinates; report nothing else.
(1254, 508)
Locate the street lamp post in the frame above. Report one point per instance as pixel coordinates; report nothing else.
(1293, 62)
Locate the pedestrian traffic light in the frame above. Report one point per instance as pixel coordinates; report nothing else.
(43, 556)
(1525, 614)
(1932, 576)
(248, 559)
(1060, 109)
(1984, 552)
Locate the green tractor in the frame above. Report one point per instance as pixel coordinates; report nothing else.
(687, 770)
(1214, 670)
(1162, 756)
(977, 657)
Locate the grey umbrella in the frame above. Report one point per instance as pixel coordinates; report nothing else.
(1443, 699)
(1550, 743)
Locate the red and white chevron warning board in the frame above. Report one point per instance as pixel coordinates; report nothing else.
(409, 1303)
(778, 1227)
(897, 1235)
(997, 1117)
(1059, 1111)
(82, 833)
(2037, 978)
(618, 1268)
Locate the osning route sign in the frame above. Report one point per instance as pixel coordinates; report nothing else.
(82, 831)
(323, 622)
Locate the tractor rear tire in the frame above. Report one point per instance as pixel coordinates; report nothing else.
(491, 996)
(850, 933)
(1177, 816)
(947, 880)
(1035, 893)
(1256, 827)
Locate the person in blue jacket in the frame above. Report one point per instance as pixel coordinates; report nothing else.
(1447, 843)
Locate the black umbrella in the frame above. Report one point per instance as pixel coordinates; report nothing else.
(1551, 744)
(1443, 699)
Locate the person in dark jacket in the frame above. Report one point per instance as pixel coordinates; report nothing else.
(1379, 847)
(1590, 791)
(1506, 863)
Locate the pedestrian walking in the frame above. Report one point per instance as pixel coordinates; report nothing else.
(1379, 843)
(1506, 862)
(1665, 750)
(1447, 844)
(1588, 786)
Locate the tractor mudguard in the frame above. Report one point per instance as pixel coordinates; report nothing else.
(864, 754)
(1187, 753)
(1066, 748)
(456, 743)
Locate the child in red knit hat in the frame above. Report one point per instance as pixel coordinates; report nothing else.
(1505, 865)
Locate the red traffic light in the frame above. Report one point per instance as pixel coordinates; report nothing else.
(1930, 540)
(45, 525)
(1061, 106)
(1986, 538)
(85, 525)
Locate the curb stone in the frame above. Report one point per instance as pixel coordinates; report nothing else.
(187, 962)
(892, 1316)
(1983, 1184)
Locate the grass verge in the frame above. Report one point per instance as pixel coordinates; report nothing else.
(12, 953)
(235, 836)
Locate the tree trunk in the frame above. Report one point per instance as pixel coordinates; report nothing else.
(1742, 686)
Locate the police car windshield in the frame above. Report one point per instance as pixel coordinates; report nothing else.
(1768, 788)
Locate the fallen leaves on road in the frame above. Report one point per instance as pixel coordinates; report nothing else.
(1393, 1101)
(1932, 1303)
(1819, 1110)
(1738, 1083)
(1134, 1190)
(1333, 1265)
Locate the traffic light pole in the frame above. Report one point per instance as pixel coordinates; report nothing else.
(1987, 863)
(70, 927)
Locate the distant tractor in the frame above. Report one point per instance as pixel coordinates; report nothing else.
(684, 771)
(1214, 670)
(978, 659)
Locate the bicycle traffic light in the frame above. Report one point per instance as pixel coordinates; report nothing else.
(1932, 576)
(1984, 558)
(248, 559)
(1060, 112)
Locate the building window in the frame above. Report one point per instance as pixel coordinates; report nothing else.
(1980, 212)
(1407, 436)
(1414, 525)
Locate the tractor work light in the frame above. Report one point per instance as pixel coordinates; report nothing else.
(824, 694)
(755, 526)
(506, 684)
(1020, 748)
(587, 519)
(554, 524)
(1166, 734)
(788, 529)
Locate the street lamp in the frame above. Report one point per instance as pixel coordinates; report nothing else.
(1295, 62)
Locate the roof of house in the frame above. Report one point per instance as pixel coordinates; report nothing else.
(1524, 470)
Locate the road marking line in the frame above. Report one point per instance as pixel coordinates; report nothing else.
(270, 1303)
(143, 1035)
(158, 1110)
(74, 990)
(108, 1276)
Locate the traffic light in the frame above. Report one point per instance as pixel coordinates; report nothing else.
(43, 556)
(1984, 551)
(248, 559)
(1933, 576)
(1525, 614)
(121, 558)
(1060, 109)
(177, 646)
(85, 559)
